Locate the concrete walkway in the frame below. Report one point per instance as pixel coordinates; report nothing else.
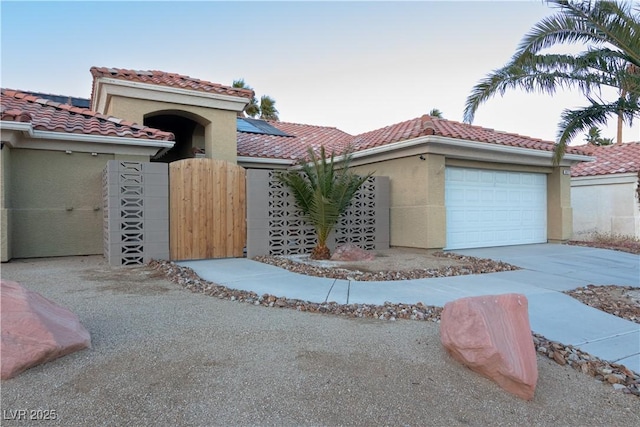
(547, 270)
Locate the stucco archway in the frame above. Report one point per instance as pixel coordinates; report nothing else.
(188, 129)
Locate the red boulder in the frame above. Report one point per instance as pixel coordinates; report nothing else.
(35, 330)
(351, 252)
(491, 335)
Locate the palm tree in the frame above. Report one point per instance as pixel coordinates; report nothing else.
(266, 110)
(252, 109)
(323, 192)
(605, 141)
(594, 137)
(436, 113)
(609, 30)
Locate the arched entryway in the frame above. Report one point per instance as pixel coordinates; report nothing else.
(188, 129)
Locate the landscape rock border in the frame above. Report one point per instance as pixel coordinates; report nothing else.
(629, 247)
(618, 376)
(597, 297)
(472, 265)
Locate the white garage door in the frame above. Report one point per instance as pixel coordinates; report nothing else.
(494, 208)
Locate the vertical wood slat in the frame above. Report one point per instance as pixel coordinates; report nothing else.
(207, 209)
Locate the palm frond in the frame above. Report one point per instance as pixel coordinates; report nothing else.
(580, 119)
(610, 32)
(596, 23)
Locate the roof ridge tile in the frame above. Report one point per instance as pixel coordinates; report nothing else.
(162, 78)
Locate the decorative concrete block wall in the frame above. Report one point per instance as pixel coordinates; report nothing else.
(275, 226)
(136, 212)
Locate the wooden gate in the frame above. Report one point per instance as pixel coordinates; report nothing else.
(207, 216)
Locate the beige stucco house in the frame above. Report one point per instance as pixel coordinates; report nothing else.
(453, 185)
(606, 193)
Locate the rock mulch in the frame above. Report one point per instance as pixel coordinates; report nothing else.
(621, 378)
(621, 301)
(471, 265)
(630, 246)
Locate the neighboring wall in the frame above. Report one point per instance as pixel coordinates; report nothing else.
(606, 204)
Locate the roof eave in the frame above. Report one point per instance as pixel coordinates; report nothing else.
(466, 150)
(105, 87)
(264, 162)
(22, 135)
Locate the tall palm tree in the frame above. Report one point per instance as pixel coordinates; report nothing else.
(323, 191)
(594, 137)
(252, 109)
(610, 32)
(266, 110)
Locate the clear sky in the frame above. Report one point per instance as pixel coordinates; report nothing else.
(358, 66)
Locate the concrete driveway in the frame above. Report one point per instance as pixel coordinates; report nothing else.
(547, 270)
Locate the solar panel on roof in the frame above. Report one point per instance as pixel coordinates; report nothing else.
(61, 99)
(244, 126)
(258, 126)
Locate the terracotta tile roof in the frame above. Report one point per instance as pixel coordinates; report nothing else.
(610, 159)
(162, 78)
(427, 125)
(256, 145)
(292, 147)
(48, 115)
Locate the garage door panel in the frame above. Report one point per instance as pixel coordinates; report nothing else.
(494, 208)
(471, 196)
(456, 175)
(486, 177)
(486, 196)
(500, 177)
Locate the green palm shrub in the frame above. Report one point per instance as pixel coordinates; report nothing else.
(322, 191)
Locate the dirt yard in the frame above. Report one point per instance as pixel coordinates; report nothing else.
(163, 355)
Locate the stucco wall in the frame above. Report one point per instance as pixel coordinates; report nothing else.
(605, 204)
(497, 166)
(5, 204)
(559, 210)
(220, 140)
(417, 213)
(56, 201)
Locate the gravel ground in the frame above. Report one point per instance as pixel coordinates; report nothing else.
(621, 301)
(622, 244)
(394, 264)
(163, 355)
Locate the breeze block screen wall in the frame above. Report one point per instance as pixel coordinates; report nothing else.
(136, 212)
(276, 227)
